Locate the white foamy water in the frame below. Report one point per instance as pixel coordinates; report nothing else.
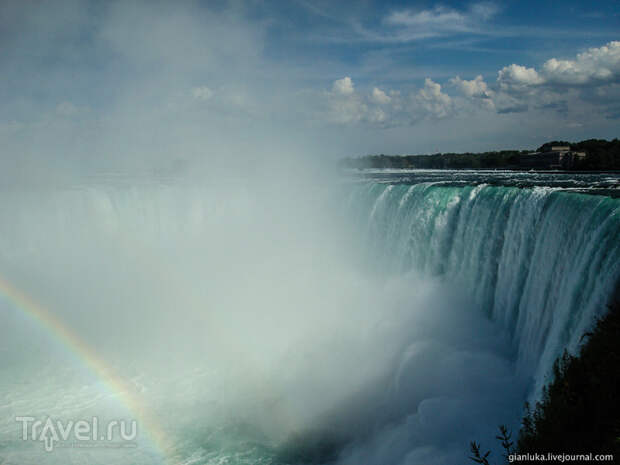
(379, 322)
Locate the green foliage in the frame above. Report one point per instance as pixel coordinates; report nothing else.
(504, 437)
(477, 455)
(579, 410)
(486, 160)
(601, 155)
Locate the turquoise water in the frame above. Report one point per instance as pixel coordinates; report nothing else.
(358, 323)
(540, 261)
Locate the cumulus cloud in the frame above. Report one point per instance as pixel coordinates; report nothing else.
(387, 109)
(474, 88)
(345, 105)
(136, 82)
(512, 92)
(560, 84)
(347, 110)
(596, 65)
(506, 103)
(380, 97)
(433, 101)
(517, 77)
(343, 86)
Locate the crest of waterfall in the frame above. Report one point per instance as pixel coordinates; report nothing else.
(541, 262)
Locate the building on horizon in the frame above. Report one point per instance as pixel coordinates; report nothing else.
(558, 158)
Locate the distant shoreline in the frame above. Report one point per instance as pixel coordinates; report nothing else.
(588, 156)
(516, 170)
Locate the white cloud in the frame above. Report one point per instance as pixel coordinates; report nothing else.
(474, 88)
(345, 105)
(567, 87)
(438, 21)
(595, 65)
(380, 97)
(343, 86)
(517, 76)
(560, 83)
(385, 109)
(433, 101)
(202, 93)
(506, 103)
(438, 17)
(347, 110)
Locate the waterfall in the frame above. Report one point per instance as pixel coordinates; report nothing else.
(370, 317)
(540, 261)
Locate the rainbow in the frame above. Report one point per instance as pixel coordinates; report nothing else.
(112, 381)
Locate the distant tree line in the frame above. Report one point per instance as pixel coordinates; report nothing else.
(601, 155)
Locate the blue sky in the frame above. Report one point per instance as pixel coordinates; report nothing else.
(445, 38)
(85, 82)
